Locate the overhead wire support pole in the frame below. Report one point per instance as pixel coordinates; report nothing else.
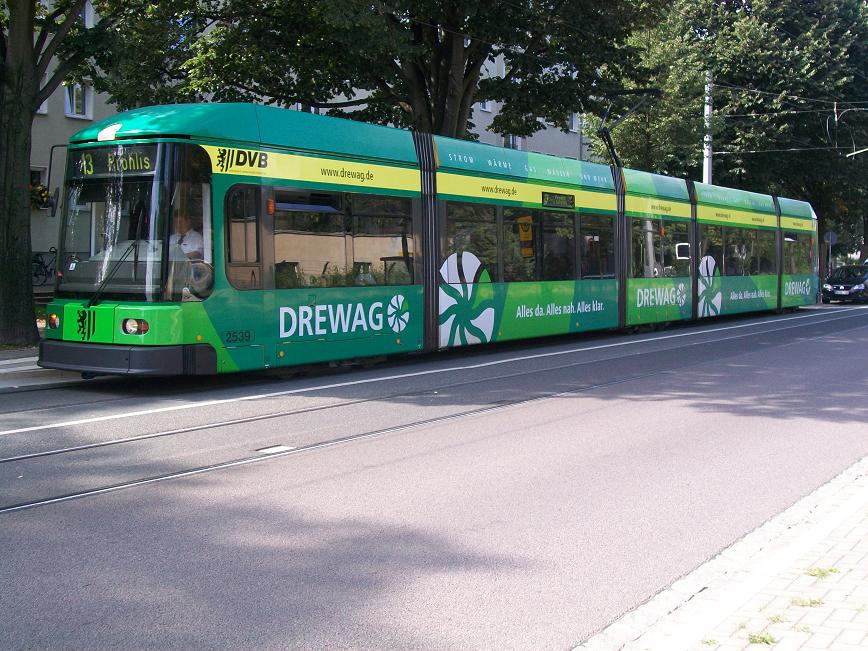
(707, 143)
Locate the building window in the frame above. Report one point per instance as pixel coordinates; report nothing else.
(43, 108)
(78, 99)
(37, 177)
(513, 142)
(87, 14)
(485, 105)
(575, 122)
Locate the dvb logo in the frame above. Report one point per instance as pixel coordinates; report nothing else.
(229, 158)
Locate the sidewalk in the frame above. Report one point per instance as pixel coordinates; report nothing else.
(800, 581)
(19, 372)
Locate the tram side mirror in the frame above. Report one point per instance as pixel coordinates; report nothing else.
(54, 201)
(682, 251)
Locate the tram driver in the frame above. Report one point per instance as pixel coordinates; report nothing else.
(188, 238)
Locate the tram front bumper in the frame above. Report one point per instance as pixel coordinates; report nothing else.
(107, 359)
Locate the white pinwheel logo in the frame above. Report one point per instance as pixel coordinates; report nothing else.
(464, 319)
(397, 314)
(680, 295)
(710, 297)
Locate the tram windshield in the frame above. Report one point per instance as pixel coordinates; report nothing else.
(137, 224)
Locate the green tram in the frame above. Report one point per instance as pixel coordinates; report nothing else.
(202, 239)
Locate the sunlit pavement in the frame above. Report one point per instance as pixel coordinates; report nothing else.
(800, 581)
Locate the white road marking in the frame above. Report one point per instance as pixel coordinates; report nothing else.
(400, 376)
(274, 449)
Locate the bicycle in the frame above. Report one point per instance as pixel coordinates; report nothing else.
(43, 268)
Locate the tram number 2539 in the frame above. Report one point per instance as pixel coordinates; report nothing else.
(238, 336)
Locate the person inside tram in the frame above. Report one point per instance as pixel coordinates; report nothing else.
(186, 237)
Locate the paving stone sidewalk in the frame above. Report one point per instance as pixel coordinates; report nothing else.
(800, 581)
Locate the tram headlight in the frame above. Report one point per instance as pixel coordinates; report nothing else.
(53, 321)
(134, 326)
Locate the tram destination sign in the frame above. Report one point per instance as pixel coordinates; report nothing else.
(112, 161)
(556, 200)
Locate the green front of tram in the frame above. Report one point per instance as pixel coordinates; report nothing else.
(202, 239)
(129, 293)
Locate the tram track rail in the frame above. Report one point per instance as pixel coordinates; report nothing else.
(263, 457)
(307, 410)
(250, 459)
(321, 408)
(851, 313)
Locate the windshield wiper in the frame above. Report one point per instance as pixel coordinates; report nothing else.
(140, 209)
(110, 274)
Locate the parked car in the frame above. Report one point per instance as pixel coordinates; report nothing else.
(847, 284)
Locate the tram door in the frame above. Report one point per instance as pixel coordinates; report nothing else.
(243, 331)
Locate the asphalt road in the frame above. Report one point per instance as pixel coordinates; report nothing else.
(518, 497)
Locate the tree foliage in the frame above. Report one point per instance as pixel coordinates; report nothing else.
(418, 64)
(790, 99)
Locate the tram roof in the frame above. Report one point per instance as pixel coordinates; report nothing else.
(254, 124)
(468, 157)
(731, 198)
(258, 125)
(794, 208)
(655, 185)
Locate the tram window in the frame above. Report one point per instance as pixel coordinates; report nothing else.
(558, 246)
(382, 240)
(740, 251)
(598, 246)
(244, 268)
(311, 234)
(472, 228)
(798, 253)
(647, 252)
(521, 244)
(711, 246)
(676, 249)
(538, 245)
(766, 253)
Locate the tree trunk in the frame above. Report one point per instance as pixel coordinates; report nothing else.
(864, 256)
(17, 96)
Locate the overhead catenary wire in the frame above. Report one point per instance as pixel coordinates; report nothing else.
(783, 94)
(781, 151)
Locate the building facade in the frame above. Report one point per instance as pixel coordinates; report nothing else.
(550, 140)
(69, 109)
